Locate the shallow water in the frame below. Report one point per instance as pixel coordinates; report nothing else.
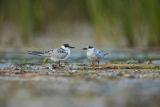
(19, 56)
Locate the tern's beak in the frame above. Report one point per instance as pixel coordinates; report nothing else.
(71, 47)
(84, 48)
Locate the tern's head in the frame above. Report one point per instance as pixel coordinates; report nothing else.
(88, 48)
(66, 46)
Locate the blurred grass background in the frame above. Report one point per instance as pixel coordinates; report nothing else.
(132, 23)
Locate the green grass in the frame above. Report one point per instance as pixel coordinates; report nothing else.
(33, 15)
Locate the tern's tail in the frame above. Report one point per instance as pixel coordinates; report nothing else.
(36, 53)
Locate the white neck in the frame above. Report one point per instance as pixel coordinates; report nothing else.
(63, 47)
(66, 48)
(90, 51)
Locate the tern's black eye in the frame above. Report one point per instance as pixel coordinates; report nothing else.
(90, 47)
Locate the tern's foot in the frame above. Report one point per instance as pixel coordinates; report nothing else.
(66, 63)
(57, 66)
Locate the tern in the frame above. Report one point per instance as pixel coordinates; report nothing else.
(94, 54)
(56, 55)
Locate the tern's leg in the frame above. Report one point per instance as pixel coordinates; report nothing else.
(65, 62)
(98, 62)
(59, 63)
(56, 65)
(93, 64)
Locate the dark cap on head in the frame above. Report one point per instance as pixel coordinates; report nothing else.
(90, 46)
(68, 46)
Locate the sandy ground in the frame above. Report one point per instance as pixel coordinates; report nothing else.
(80, 88)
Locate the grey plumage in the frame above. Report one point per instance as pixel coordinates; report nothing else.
(56, 54)
(94, 54)
(98, 53)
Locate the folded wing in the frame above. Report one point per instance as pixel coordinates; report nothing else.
(59, 53)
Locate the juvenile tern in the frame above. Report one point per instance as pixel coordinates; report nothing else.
(56, 55)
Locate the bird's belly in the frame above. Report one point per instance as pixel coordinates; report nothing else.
(56, 59)
(93, 57)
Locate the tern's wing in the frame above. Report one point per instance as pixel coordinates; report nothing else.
(59, 53)
(99, 53)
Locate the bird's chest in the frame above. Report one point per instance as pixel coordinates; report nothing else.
(91, 56)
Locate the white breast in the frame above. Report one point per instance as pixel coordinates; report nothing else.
(69, 53)
(56, 58)
(91, 55)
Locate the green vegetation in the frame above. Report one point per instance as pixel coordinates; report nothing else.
(45, 60)
(33, 15)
